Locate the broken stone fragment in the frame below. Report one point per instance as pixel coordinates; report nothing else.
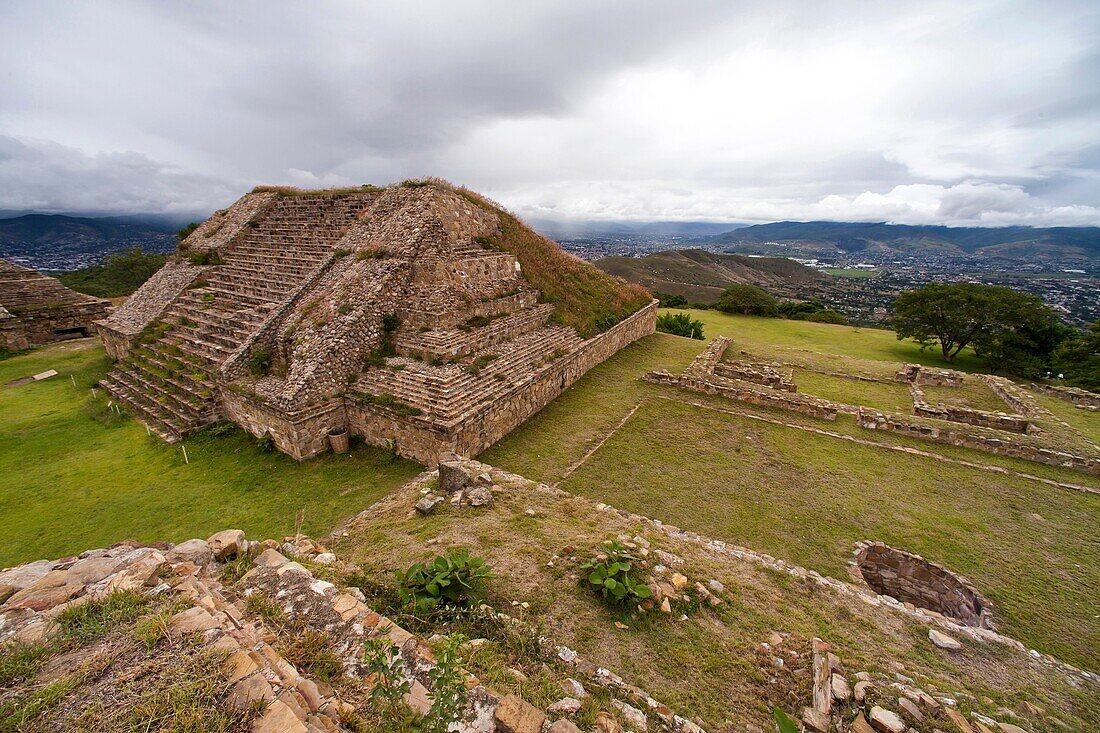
(910, 710)
(573, 688)
(959, 723)
(679, 582)
(453, 477)
(841, 690)
(516, 715)
(226, 544)
(196, 552)
(943, 641)
(565, 706)
(479, 496)
(192, 620)
(860, 725)
(428, 504)
(606, 723)
(861, 689)
(270, 559)
(886, 721)
(815, 720)
(635, 718)
(563, 726)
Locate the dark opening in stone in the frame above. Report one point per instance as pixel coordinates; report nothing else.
(912, 579)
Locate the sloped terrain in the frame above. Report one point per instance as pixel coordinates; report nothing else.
(701, 276)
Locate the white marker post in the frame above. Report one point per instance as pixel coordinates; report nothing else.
(73, 378)
(185, 455)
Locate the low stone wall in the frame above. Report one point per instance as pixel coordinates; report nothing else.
(298, 435)
(1080, 397)
(1017, 399)
(981, 418)
(742, 391)
(757, 374)
(917, 374)
(912, 579)
(116, 343)
(1004, 446)
(411, 436)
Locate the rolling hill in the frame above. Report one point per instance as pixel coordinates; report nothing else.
(701, 276)
(60, 242)
(819, 237)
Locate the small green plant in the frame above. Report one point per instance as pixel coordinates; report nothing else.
(390, 322)
(448, 687)
(783, 722)
(385, 670)
(259, 361)
(270, 613)
(20, 661)
(609, 574)
(209, 257)
(311, 652)
(453, 579)
(207, 297)
(479, 363)
(265, 443)
(92, 620)
(680, 324)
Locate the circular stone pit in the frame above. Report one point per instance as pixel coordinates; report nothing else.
(911, 579)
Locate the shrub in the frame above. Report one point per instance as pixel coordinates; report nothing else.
(452, 579)
(259, 361)
(390, 322)
(209, 257)
(680, 324)
(609, 574)
(747, 300)
(184, 233)
(671, 301)
(119, 274)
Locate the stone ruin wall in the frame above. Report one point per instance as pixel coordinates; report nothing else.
(1079, 397)
(967, 415)
(413, 317)
(760, 374)
(1019, 401)
(305, 434)
(912, 579)
(917, 374)
(701, 376)
(1003, 444)
(39, 326)
(300, 436)
(150, 301)
(221, 229)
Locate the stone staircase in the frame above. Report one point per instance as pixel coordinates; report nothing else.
(168, 379)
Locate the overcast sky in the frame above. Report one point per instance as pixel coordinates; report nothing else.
(977, 112)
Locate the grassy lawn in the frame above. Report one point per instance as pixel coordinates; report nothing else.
(894, 397)
(852, 274)
(970, 394)
(1030, 547)
(72, 477)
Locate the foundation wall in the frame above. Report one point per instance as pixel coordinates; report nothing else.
(39, 325)
(912, 579)
(1003, 446)
(298, 436)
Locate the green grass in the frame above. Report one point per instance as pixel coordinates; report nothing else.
(893, 397)
(807, 499)
(72, 478)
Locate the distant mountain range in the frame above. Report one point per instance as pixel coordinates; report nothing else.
(61, 242)
(701, 276)
(571, 229)
(823, 237)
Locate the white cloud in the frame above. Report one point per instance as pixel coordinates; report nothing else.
(977, 113)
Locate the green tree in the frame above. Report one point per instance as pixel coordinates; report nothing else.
(1025, 345)
(120, 274)
(958, 315)
(748, 300)
(1078, 359)
(680, 324)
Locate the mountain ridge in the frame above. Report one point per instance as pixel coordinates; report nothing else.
(851, 237)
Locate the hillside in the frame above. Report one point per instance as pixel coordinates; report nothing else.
(59, 242)
(701, 276)
(1056, 243)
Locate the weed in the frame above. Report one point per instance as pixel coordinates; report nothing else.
(454, 579)
(19, 661)
(89, 621)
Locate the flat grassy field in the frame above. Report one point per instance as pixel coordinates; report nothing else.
(852, 274)
(1030, 547)
(73, 476)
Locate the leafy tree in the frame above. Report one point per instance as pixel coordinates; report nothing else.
(671, 301)
(1025, 348)
(810, 310)
(748, 300)
(120, 274)
(680, 324)
(1078, 359)
(958, 315)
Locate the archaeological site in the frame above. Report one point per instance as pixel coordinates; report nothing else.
(37, 310)
(418, 317)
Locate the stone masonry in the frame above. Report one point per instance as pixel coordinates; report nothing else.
(383, 312)
(36, 309)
